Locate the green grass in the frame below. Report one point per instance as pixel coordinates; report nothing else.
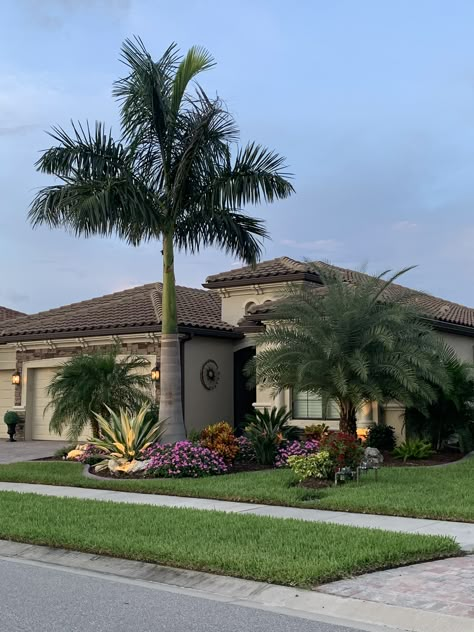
(288, 552)
(427, 492)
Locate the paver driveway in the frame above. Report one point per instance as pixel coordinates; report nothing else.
(27, 450)
(445, 586)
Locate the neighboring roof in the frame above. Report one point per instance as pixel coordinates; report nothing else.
(281, 269)
(431, 307)
(7, 314)
(136, 309)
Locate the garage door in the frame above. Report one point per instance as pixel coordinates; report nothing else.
(7, 396)
(38, 414)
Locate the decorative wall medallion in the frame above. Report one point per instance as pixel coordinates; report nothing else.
(210, 375)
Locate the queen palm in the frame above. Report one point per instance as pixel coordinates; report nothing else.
(172, 176)
(352, 343)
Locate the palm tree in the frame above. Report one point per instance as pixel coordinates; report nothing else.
(171, 176)
(88, 383)
(348, 343)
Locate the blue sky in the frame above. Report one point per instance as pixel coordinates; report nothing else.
(371, 102)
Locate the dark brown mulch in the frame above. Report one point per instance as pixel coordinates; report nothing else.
(436, 459)
(247, 467)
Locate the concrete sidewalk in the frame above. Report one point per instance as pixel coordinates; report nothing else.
(462, 532)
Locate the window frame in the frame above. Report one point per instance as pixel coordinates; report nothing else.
(324, 407)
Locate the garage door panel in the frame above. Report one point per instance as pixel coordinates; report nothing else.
(7, 393)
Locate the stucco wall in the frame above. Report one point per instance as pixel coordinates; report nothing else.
(462, 345)
(201, 406)
(235, 300)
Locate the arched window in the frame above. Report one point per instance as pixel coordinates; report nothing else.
(248, 306)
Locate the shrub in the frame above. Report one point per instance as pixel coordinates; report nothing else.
(294, 448)
(193, 435)
(11, 418)
(413, 449)
(220, 438)
(381, 436)
(125, 436)
(63, 452)
(182, 459)
(266, 430)
(246, 453)
(91, 455)
(344, 449)
(315, 431)
(318, 465)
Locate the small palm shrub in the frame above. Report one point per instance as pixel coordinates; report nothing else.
(315, 431)
(413, 449)
(220, 437)
(319, 465)
(266, 430)
(182, 459)
(124, 436)
(294, 448)
(89, 383)
(344, 449)
(381, 436)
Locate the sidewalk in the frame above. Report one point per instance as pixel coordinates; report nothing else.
(463, 532)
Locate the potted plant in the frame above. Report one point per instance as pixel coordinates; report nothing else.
(11, 418)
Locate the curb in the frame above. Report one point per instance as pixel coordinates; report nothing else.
(354, 613)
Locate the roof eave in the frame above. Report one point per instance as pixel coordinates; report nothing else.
(258, 280)
(118, 331)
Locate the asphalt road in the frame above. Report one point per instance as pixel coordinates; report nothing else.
(43, 598)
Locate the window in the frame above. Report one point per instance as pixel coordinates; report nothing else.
(249, 306)
(310, 406)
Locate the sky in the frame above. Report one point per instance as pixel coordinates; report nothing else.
(371, 103)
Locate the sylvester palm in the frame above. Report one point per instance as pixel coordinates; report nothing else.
(349, 343)
(171, 176)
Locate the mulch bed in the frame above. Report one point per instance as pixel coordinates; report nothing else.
(436, 459)
(315, 483)
(235, 469)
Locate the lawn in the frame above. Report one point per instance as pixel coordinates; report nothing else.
(290, 552)
(427, 492)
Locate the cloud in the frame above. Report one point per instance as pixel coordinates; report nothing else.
(17, 130)
(405, 226)
(320, 245)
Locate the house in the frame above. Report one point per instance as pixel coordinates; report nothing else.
(218, 328)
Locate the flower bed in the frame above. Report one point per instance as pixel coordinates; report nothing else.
(295, 448)
(182, 459)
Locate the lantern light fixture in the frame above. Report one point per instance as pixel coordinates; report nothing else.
(155, 373)
(16, 378)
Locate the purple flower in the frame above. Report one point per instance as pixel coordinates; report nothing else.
(182, 459)
(295, 448)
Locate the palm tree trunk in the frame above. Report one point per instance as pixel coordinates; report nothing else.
(348, 419)
(171, 408)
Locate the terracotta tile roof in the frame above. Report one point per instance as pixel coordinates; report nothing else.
(266, 271)
(138, 307)
(431, 306)
(7, 314)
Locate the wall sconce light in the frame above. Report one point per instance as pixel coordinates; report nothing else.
(16, 378)
(155, 373)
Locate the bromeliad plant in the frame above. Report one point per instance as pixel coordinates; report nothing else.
(125, 436)
(413, 449)
(267, 430)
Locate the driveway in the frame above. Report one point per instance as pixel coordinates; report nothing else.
(27, 450)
